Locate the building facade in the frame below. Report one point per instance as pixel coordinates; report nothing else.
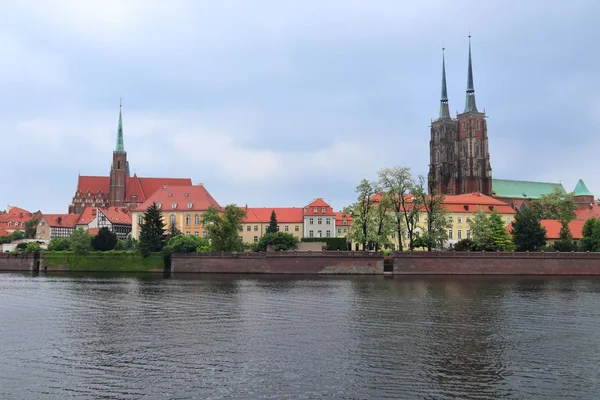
(319, 220)
(459, 153)
(254, 226)
(118, 189)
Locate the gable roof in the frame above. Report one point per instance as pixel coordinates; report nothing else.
(135, 186)
(61, 220)
(87, 215)
(284, 215)
(340, 216)
(553, 228)
(177, 198)
(522, 189)
(581, 189)
(117, 215)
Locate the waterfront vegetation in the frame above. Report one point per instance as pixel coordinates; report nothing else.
(106, 261)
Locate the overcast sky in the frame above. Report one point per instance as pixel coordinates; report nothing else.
(275, 102)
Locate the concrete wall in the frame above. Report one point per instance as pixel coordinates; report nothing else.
(9, 262)
(475, 263)
(280, 263)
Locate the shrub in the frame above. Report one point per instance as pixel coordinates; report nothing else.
(185, 244)
(105, 240)
(59, 244)
(464, 245)
(280, 240)
(33, 247)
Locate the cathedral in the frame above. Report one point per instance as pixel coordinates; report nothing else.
(118, 189)
(459, 154)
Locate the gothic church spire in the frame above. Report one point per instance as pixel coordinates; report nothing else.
(120, 147)
(444, 110)
(470, 105)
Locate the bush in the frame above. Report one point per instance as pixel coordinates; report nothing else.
(81, 241)
(280, 240)
(186, 244)
(59, 244)
(33, 247)
(464, 245)
(126, 244)
(331, 243)
(105, 240)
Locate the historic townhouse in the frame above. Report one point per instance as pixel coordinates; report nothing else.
(181, 206)
(14, 219)
(56, 226)
(319, 220)
(116, 219)
(254, 226)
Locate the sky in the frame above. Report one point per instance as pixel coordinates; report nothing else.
(277, 102)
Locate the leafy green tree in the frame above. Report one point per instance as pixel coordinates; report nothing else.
(501, 239)
(81, 241)
(437, 223)
(33, 247)
(17, 235)
(590, 240)
(565, 239)
(481, 231)
(21, 246)
(279, 240)
(129, 244)
(397, 183)
(223, 228)
(383, 223)
(105, 240)
(59, 244)
(420, 242)
(31, 228)
(152, 231)
(273, 228)
(557, 205)
(528, 234)
(186, 244)
(464, 245)
(362, 214)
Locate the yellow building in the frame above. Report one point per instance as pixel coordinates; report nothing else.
(254, 226)
(182, 206)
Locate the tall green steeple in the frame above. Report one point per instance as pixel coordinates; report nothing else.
(120, 147)
(444, 111)
(581, 189)
(470, 105)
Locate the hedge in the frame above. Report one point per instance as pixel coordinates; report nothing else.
(103, 261)
(331, 243)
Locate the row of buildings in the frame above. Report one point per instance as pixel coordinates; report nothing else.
(459, 168)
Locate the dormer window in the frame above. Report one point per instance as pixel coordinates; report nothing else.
(158, 205)
(315, 210)
(323, 210)
(170, 194)
(190, 205)
(186, 195)
(173, 205)
(466, 208)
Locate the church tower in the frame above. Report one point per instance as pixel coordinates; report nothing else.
(443, 146)
(119, 170)
(475, 173)
(459, 155)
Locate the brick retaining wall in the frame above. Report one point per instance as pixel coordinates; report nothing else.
(21, 262)
(280, 263)
(476, 263)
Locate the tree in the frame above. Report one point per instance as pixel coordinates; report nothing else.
(464, 245)
(565, 239)
(383, 225)
(501, 239)
(105, 240)
(272, 228)
(279, 240)
(81, 241)
(173, 231)
(437, 223)
(556, 205)
(528, 234)
(489, 233)
(397, 183)
(420, 242)
(223, 228)
(59, 244)
(17, 235)
(186, 244)
(31, 228)
(126, 244)
(33, 247)
(590, 240)
(362, 215)
(152, 231)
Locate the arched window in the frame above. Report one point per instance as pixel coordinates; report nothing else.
(196, 219)
(188, 219)
(172, 219)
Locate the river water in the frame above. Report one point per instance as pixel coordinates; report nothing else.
(267, 337)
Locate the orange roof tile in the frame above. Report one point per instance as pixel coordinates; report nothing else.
(180, 198)
(88, 214)
(135, 186)
(467, 203)
(61, 220)
(587, 213)
(320, 204)
(340, 216)
(4, 232)
(284, 214)
(93, 231)
(553, 228)
(117, 215)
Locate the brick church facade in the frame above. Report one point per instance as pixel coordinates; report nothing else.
(459, 154)
(118, 189)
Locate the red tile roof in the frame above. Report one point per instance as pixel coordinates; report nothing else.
(553, 228)
(140, 187)
(467, 203)
(61, 220)
(284, 214)
(588, 212)
(4, 232)
(340, 216)
(87, 216)
(93, 231)
(16, 217)
(180, 196)
(318, 203)
(117, 215)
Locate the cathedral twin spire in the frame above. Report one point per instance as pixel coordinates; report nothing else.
(470, 105)
(120, 147)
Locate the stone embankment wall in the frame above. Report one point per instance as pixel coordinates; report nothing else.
(21, 262)
(481, 263)
(333, 262)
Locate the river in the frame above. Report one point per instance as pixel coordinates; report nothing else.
(269, 337)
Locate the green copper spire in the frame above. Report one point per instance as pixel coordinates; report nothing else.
(120, 147)
(581, 189)
(444, 111)
(470, 105)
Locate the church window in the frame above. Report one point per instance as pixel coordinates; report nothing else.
(119, 164)
(196, 219)
(188, 219)
(172, 219)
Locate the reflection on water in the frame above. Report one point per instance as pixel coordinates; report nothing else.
(211, 336)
